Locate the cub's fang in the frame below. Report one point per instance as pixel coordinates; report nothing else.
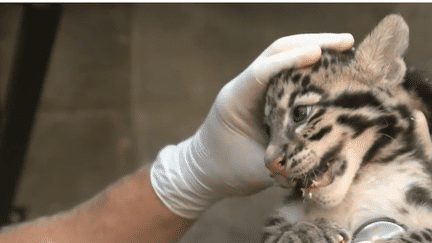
(340, 239)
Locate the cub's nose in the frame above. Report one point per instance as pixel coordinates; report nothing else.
(277, 166)
(274, 157)
(276, 163)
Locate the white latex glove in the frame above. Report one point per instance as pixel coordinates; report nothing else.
(225, 157)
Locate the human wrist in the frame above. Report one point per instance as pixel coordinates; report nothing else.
(175, 179)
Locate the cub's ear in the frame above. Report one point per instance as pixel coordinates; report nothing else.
(380, 55)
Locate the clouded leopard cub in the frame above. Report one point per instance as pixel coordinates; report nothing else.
(342, 135)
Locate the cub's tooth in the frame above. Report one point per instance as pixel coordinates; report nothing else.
(303, 192)
(310, 195)
(340, 239)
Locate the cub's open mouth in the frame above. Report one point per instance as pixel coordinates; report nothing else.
(322, 175)
(305, 174)
(318, 177)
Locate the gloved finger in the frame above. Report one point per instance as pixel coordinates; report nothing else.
(265, 68)
(340, 42)
(328, 40)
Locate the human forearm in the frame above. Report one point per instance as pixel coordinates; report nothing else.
(127, 211)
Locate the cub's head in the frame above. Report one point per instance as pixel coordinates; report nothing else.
(349, 109)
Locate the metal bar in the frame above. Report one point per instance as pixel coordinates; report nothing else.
(37, 33)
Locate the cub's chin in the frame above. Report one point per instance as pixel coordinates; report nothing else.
(328, 188)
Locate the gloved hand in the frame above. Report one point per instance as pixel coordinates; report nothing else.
(225, 157)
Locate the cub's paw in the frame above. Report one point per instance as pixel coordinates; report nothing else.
(306, 232)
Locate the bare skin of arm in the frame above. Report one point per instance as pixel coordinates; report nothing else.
(128, 211)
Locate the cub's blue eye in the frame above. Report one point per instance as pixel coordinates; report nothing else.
(301, 112)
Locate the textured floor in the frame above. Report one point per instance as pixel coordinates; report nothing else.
(126, 80)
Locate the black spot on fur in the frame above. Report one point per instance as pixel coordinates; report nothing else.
(292, 97)
(328, 156)
(416, 237)
(356, 100)
(388, 132)
(296, 78)
(316, 121)
(418, 196)
(358, 123)
(273, 81)
(379, 143)
(427, 236)
(295, 162)
(305, 80)
(343, 57)
(321, 133)
(385, 136)
(319, 113)
(409, 145)
(281, 92)
(405, 240)
(388, 124)
(325, 63)
(299, 147)
(403, 111)
(285, 74)
(347, 55)
(314, 89)
(316, 66)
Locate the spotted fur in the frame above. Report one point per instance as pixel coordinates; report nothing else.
(343, 132)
